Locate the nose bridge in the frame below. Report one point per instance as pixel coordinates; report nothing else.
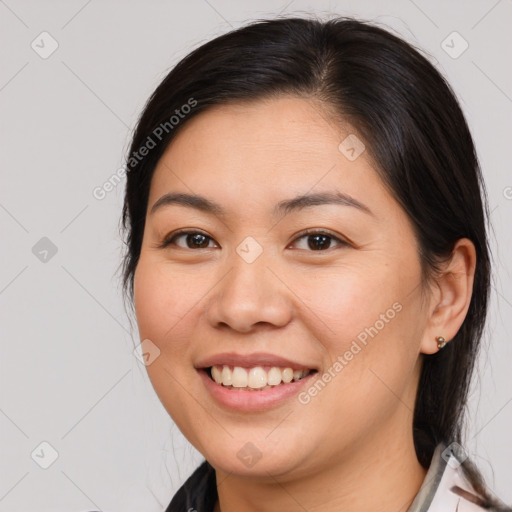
(249, 293)
(249, 275)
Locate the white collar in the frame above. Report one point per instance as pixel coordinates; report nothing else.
(445, 488)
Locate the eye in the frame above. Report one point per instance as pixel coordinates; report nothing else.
(193, 240)
(320, 240)
(316, 240)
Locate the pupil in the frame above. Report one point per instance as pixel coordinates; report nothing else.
(317, 238)
(197, 238)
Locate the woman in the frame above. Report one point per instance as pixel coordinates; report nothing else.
(309, 268)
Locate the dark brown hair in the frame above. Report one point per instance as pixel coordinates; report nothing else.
(414, 131)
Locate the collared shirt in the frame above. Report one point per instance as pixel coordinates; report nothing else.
(444, 489)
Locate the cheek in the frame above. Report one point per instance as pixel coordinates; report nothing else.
(368, 324)
(343, 302)
(161, 306)
(161, 301)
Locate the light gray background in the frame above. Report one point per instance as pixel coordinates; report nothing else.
(68, 375)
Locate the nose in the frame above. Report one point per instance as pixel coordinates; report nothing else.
(251, 296)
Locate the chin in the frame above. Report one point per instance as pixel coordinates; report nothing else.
(257, 459)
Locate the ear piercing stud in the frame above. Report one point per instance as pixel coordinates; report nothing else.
(441, 342)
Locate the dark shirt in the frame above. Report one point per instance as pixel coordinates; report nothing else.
(198, 493)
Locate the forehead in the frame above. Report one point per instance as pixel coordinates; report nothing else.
(246, 154)
(279, 128)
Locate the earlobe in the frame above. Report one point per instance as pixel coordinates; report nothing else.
(450, 303)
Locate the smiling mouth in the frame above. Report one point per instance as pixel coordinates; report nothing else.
(257, 378)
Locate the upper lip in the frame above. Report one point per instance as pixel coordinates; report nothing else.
(251, 360)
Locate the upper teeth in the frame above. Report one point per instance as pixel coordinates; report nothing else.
(255, 377)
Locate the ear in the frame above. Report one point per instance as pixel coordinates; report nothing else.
(451, 296)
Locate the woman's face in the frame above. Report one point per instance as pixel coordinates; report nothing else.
(344, 300)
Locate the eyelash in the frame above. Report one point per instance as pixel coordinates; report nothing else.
(170, 239)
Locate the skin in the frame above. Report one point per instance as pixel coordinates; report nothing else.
(294, 301)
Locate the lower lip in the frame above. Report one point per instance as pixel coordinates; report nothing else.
(253, 401)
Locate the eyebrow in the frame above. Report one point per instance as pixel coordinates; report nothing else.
(284, 207)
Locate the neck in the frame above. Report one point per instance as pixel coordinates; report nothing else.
(383, 475)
